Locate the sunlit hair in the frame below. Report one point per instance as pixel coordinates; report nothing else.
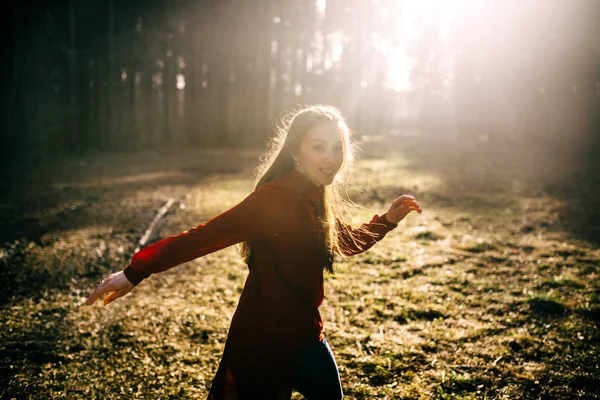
(278, 161)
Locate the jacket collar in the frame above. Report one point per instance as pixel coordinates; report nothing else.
(306, 187)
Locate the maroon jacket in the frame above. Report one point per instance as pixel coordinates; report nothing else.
(278, 311)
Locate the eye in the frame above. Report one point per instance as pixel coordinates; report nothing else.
(318, 147)
(338, 149)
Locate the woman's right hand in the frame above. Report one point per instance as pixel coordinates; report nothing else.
(117, 285)
(401, 207)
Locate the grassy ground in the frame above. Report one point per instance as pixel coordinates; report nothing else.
(492, 292)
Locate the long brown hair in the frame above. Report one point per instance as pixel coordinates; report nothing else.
(278, 161)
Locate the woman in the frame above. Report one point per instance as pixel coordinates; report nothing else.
(289, 230)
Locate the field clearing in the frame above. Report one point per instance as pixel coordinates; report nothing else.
(492, 292)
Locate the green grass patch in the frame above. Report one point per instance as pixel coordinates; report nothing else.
(561, 281)
(412, 314)
(428, 235)
(460, 383)
(399, 259)
(478, 247)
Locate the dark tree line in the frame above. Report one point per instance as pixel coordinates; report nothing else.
(127, 74)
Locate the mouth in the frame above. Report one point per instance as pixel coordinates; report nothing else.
(327, 171)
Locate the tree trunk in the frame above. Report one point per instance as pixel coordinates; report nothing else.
(109, 125)
(72, 142)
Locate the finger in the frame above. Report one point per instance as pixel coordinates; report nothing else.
(92, 298)
(114, 295)
(414, 208)
(100, 290)
(414, 203)
(417, 209)
(400, 202)
(417, 206)
(406, 197)
(408, 203)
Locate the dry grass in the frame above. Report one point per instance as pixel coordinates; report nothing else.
(487, 294)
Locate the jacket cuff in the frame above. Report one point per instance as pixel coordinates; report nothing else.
(383, 220)
(133, 276)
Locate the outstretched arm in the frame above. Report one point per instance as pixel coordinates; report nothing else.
(256, 216)
(357, 240)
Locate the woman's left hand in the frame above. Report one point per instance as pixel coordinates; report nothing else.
(401, 207)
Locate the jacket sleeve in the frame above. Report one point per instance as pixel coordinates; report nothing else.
(357, 240)
(255, 217)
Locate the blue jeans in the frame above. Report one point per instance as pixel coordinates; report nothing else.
(316, 374)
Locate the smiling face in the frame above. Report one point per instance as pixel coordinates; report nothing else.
(321, 153)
